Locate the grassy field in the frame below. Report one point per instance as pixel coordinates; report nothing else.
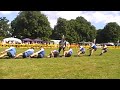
(84, 67)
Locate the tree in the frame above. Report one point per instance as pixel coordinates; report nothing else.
(60, 28)
(75, 30)
(99, 37)
(4, 28)
(72, 36)
(65, 27)
(111, 32)
(31, 24)
(85, 30)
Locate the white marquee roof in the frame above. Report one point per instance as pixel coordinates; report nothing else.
(11, 39)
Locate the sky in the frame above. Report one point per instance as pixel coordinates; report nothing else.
(97, 18)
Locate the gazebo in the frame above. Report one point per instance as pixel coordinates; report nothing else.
(28, 40)
(37, 40)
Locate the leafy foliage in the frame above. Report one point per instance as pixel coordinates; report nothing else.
(34, 24)
(4, 27)
(74, 30)
(111, 32)
(31, 24)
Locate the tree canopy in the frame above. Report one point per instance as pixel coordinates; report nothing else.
(31, 24)
(111, 32)
(34, 24)
(4, 27)
(75, 30)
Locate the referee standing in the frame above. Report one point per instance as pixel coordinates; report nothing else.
(62, 44)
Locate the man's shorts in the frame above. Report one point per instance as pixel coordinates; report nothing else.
(83, 52)
(24, 55)
(56, 54)
(68, 54)
(10, 54)
(94, 47)
(105, 50)
(40, 55)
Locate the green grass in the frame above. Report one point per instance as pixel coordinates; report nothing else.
(84, 67)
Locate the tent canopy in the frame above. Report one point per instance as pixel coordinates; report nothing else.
(27, 39)
(12, 40)
(57, 41)
(38, 40)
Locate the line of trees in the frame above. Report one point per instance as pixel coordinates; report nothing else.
(34, 24)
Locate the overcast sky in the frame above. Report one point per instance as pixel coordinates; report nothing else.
(97, 18)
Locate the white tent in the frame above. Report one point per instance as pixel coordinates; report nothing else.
(12, 40)
(57, 41)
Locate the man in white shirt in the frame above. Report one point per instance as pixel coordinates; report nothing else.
(54, 53)
(104, 49)
(11, 52)
(39, 54)
(26, 53)
(81, 50)
(68, 53)
(92, 48)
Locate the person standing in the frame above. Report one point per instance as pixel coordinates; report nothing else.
(62, 44)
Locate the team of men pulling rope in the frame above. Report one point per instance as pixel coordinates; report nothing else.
(11, 51)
